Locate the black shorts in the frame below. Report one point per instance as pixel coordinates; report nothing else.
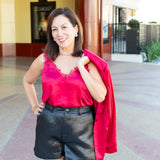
(65, 132)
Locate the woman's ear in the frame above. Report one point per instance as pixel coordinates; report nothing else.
(76, 28)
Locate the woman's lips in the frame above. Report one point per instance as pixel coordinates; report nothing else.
(62, 40)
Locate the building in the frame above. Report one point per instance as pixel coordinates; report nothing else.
(19, 24)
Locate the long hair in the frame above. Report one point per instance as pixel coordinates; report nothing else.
(51, 47)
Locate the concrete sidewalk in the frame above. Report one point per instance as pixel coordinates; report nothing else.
(137, 95)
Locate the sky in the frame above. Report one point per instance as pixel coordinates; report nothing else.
(148, 10)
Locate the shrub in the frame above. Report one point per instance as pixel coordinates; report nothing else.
(152, 51)
(153, 22)
(133, 24)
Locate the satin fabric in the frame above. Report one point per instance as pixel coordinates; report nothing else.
(63, 90)
(104, 131)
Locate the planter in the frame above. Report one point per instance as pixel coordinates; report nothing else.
(132, 42)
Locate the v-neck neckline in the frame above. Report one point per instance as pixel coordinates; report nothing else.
(64, 74)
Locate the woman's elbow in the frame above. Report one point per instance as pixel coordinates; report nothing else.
(26, 81)
(102, 96)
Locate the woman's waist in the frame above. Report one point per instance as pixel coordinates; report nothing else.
(79, 109)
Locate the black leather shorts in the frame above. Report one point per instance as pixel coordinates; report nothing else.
(65, 132)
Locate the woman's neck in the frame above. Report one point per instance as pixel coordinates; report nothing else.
(65, 54)
(66, 51)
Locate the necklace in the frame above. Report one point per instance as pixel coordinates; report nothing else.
(65, 54)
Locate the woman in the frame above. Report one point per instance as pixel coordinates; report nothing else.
(71, 83)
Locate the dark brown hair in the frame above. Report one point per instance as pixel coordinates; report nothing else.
(51, 47)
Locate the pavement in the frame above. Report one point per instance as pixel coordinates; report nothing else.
(137, 95)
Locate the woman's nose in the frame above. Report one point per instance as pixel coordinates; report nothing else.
(59, 32)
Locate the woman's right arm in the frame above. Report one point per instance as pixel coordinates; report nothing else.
(29, 78)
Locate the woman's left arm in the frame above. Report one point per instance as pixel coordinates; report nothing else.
(92, 79)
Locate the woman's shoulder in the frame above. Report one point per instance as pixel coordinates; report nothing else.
(39, 62)
(41, 58)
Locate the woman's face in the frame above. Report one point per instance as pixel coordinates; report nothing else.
(64, 33)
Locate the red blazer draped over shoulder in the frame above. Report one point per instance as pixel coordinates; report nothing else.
(104, 130)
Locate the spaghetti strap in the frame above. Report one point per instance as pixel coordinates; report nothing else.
(46, 56)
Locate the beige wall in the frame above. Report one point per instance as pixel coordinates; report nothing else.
(7, 27)
(0, 24)
(7, 21)
(15, 21)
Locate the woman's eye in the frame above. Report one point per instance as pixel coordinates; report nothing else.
(54, 30)
(64, 27)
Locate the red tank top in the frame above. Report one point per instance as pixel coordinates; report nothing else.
(65, 90)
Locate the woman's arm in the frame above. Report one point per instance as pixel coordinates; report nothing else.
(92, 79)
(29, 78)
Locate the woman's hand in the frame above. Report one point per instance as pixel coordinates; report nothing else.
(83, 61)
(39, 108)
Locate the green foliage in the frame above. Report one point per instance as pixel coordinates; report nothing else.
(120, 29)
(153, 22)
(133, 24)
(152, 51)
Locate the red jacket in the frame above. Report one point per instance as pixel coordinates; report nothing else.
(104, 131)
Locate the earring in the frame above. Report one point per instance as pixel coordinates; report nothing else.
(53, 39)
(76, 35)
